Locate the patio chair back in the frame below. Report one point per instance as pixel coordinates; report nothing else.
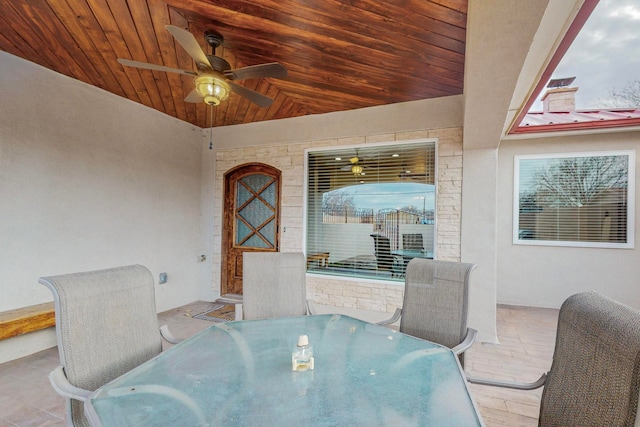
(595, 374)
(273, 285)
(382, 247)
(436, 300)
(106, 324)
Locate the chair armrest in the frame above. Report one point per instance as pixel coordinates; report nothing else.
(63, 387)
(396, 316)
(168, 336)
(238, 311)
(311, 310)
(506, 384)
(468, 341)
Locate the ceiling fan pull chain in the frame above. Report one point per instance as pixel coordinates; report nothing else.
(211, 128)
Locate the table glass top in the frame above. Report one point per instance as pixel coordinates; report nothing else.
(413, 253)
(240, 374)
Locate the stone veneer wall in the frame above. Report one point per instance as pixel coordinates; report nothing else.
(289, 158)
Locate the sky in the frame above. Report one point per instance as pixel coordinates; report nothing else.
(605, 55)
(392, 195)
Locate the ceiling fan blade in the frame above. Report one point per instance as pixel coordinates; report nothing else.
(194, 96)
(272, 69)
(190, 44)
(253, 96)
(147, 66)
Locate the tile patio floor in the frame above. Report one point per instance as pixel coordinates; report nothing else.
(526, 335)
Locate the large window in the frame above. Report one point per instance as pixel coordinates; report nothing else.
(584, 199)
(370, 208)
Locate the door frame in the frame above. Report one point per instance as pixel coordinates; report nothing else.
(228, 210)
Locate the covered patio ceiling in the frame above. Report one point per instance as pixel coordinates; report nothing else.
(340, 55)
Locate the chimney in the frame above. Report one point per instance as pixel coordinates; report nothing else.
(560, 98)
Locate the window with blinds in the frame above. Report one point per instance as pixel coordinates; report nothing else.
(370, 209)
(584, 199)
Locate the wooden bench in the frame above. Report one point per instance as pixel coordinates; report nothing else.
(321, 258)
(28, 319)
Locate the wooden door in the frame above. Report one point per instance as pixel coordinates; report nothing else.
(251, 219)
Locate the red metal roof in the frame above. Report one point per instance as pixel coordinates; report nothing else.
(534, 122)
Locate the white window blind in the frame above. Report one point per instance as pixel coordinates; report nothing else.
(583, 199)
(364, 203)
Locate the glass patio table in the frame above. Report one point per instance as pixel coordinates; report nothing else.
(240, 374)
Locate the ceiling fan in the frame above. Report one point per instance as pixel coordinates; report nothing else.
(214, 78)
(355, 167)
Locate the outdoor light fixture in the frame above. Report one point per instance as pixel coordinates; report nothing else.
(212, 88)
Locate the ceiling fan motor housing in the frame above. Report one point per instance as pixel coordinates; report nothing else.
(218, 63)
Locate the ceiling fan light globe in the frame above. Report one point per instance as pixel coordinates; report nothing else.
(212, 89)
(356, 169)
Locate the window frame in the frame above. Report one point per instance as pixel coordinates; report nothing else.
(631, 178)
(305, 206)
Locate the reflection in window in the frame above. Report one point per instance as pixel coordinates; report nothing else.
(575, 200)
(370, 209)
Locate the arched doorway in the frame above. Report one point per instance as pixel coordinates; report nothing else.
(251, 219)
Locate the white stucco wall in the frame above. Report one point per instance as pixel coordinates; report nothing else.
(90, 180)
(544, 275)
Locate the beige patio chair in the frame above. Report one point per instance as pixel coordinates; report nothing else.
(435, 303)
(106, 325)
(274, 285)
(595, 373)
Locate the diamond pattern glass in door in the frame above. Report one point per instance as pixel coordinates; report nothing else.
(256, 212)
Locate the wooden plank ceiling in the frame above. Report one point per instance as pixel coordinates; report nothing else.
(340, 54)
